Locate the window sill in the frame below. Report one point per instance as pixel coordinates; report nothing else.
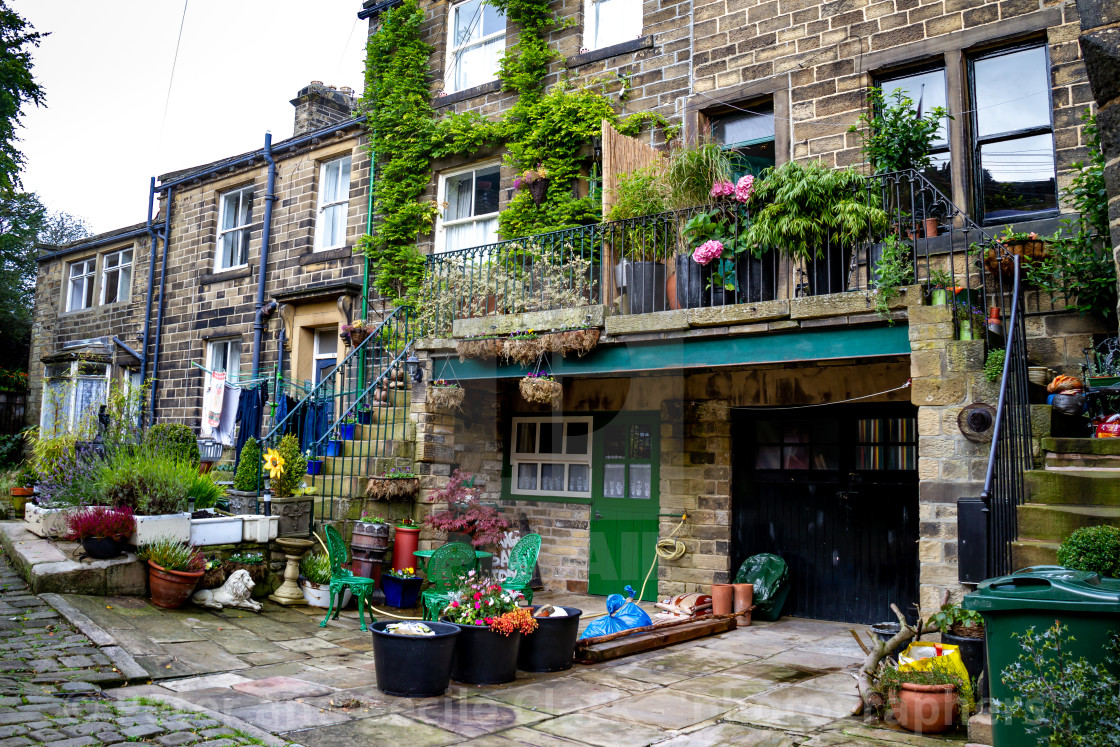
(547, 499)
(326, 255)
(234, 274)
(468, 93)
(642, 42)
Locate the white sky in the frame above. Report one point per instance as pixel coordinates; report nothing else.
(106, 67)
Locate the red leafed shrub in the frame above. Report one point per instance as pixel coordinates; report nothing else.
(100, 521)
(466, 515)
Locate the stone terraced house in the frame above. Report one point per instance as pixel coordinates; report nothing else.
(786, 416)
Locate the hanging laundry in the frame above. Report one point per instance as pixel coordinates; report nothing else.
(212, 402)
(230, 406)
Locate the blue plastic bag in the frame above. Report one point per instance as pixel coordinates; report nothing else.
(621, 615)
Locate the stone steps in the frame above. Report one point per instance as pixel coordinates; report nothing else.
(1027, 553)
(1072, 487)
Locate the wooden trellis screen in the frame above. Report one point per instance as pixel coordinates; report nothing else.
(621, 154)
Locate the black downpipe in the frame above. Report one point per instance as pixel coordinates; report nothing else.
(151, 284)
(159, 309)
(262, 272)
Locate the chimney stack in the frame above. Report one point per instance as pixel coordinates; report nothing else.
(319, 106)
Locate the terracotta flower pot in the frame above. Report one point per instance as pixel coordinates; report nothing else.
(723, 599)
(171, 588)
(744, 598)
(925, 709)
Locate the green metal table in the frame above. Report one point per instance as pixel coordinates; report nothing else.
(423, 556)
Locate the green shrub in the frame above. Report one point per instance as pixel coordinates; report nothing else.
(993, 365)
(152, 483)
(247, 478)
(295, 467)
(1094, 549)
(175, 440)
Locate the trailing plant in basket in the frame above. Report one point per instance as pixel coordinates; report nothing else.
(100, 521)
(952, 617)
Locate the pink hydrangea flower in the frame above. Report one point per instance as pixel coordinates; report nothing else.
(744, 187)
(707, 251)
(722, 189)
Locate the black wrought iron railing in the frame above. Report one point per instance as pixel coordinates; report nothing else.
(646, 264)
(354, 423)
(1011, 452)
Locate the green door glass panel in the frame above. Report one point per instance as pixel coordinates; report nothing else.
(625, 507)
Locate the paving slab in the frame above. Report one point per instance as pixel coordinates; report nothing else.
(559, 696)
(281, 688)
(725, 734)
(723, 686)
(666, 709)
(288, 716)
(775, 718)
(205, 682)
(341, 677)
(806, 700)
(221, 699)
(518, 736)
(391, 729)
(609, 678)
(597, 730)
(473, 717)
(772, 671)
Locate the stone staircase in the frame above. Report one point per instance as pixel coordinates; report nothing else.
(1078, 486)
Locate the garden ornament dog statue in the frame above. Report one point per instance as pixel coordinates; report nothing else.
(235, 592)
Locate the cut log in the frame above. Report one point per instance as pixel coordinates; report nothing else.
(654, 637)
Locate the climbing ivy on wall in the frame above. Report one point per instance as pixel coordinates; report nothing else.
(543, 129)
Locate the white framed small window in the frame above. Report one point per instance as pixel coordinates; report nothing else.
(325, 352)
(476, 40)
(334, 201)
(610, 22)
(551, 456)
(235, 214)
(470, 214)
(116, 276)
(223, 356)
(82, 276)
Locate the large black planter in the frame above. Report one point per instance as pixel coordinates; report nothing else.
(691, 279)
(483, 657)
(414, 666)
(101, 548)
(551, 646)
(758, 277)
(972, 655)
(645, 286)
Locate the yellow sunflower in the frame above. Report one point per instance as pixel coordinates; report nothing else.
(274, 463)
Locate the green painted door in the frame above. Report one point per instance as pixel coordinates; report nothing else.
(625, 506)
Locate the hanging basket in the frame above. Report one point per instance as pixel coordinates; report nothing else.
(392, 488)
(580, 341)
(537, 190)
(445, 397)
(523, 350)
(358, 336)
(542, 391)
(485, 347)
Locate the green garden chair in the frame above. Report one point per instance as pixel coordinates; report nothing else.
(522, 561)
(342, 579)
(448, 564)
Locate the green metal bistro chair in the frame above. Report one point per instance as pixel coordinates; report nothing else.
(447, 565)
(522, 561)
(342, 579)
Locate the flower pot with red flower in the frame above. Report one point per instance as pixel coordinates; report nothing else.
(491, 625)
(401, 587)
(102, 531)
(174, 569)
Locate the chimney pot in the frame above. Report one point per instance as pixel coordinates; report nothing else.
(318, 106)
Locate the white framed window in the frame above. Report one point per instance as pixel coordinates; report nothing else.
(334, 201)
(235, 214)
(551, 456)
(73, 393)
(223, 356)
(325, 352)
(476, 40)
(82, 276)
(609, 22)
(470, 215)
(116, 276)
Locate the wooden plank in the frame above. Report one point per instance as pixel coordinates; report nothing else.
(639, 642)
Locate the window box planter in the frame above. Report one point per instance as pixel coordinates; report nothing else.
(401, 593)
(395, 658)
(314, 466)
(294, 514)
(149, 528)
(333, 448)
(46, 522)
(392, 488)
(346, 431)
(483, 657)
(319, 595)
(550, 648)
(260, 528)
(223, 530)
(242, 501)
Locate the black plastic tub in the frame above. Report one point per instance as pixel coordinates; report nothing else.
(972, 656)
(483, 657)
(885, 631)
(550, 648)
(414, 666)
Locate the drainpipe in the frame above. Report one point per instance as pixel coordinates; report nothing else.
(151, 284)
(159, 309)
(262, 272)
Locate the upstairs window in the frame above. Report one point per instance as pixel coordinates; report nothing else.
(334, 200)
(477, 39)
(82, 275)
(748, 135)
(1013, 150)
(234, 217)
(927, 90)
(471, 216)
(610, 22)
(116, 276)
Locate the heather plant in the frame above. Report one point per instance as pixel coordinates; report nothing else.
(100, 521)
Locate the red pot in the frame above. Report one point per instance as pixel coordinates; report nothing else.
(21, 491)
(170, 589)
(925, 709)
(723, 596)
(406, 543)
(744, 598)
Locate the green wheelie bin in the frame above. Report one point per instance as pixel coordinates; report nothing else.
(1035, 597)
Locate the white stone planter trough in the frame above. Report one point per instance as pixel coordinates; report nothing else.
(45, 522)
(319, 595)
(224, 530)
(150, 528)
(260, 528)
